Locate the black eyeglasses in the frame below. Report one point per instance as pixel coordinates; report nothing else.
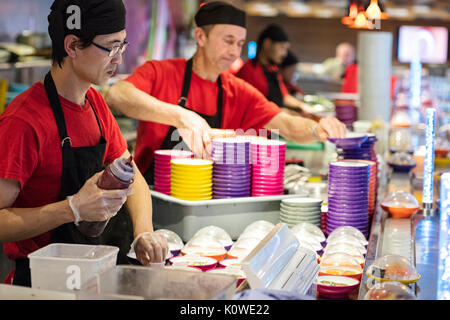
(115, 50)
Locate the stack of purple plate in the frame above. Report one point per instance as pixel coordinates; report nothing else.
(348, 196)
(346, 112)
(162, 167)
(268, 159)
(232, 169)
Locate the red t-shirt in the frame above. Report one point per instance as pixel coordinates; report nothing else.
(31, 149)
(253, 73)
(243, 106)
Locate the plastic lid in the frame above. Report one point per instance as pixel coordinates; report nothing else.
(243, 246)
(217, 233)
(174, 241)
(350, 231)
(389, 291)
(393, 268)
(340, 264)
(345, 248)
(261, 225)
(400, 199)
(310, 229)
(309, 240)
(347, 239)
(204, 245)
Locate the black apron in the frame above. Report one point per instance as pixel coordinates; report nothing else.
(79, 164)
(173, 138)
(274, 90)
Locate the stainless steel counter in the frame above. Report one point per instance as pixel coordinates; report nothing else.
(423, 240)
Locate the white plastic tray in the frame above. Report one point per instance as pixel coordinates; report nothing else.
(185, 218)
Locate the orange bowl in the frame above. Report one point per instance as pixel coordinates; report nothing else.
(400, 212)
(356, 276)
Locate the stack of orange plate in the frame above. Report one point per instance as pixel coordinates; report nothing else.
(191, 179)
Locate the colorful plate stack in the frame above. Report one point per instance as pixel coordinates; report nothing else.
(348, 196)
(346, 112)
(268, 160)
(232, 170)
(372, 183)
(162, 167)
(191, 179)
(296, 210)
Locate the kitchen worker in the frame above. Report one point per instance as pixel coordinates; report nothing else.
(57, 136)
(191, 97)
(263, 72)
(288, 70)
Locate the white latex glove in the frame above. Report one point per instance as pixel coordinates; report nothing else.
(150, 247)
(94, 204)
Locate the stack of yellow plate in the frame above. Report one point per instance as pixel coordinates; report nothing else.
(191, 179)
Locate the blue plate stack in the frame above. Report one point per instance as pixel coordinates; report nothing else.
(232, 169)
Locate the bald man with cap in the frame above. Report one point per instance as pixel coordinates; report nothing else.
(57, 137)
(179, 98)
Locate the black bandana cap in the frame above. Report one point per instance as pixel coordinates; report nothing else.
(289, 60)
(96, 17)
(275, 33)
(218, 12)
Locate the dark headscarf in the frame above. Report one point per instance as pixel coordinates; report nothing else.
(218, 12)
(97, 17)
(289, 60)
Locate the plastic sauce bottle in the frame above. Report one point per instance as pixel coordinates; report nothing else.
(117, 175)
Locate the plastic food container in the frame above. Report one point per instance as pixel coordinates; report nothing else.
(401, 162)
(161, 284)
(340, 264)
(389, 291)
(336, 287)
(12, 292)
(235, 262)
(206, 246)
(218, 234)
(242, 247)
(310, 229)
(194, 261)
(174, 241)
(400, 204)
(258, 229)
(345, 248)
(238, 273)
(348, 240)
(348, 230)
(393, 268)
(52, 265)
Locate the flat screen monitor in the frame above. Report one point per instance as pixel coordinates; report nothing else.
(429, 44)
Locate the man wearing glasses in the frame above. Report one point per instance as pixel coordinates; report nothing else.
(56, 138)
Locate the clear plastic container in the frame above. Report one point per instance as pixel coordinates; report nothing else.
(53, 265)
(194, 261)
(400, 204)
(308, 240)
(389, 291)
(217, 233)
(206, 246)
(174, 241)
(260, 226)
(310, 229)
(340, 264)
(349, 230)
(345, 248)
(347, 239)
(393, 268)
(161, 284)
(242, 247)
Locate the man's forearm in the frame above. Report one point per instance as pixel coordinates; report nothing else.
(293, 128)
(136, 104)
(139, 206)
(24, 223)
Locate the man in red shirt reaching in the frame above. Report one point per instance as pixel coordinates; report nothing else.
(177, 98)
(58, 135)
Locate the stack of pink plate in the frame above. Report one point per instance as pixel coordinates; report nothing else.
(162, 167)
(268, 160)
